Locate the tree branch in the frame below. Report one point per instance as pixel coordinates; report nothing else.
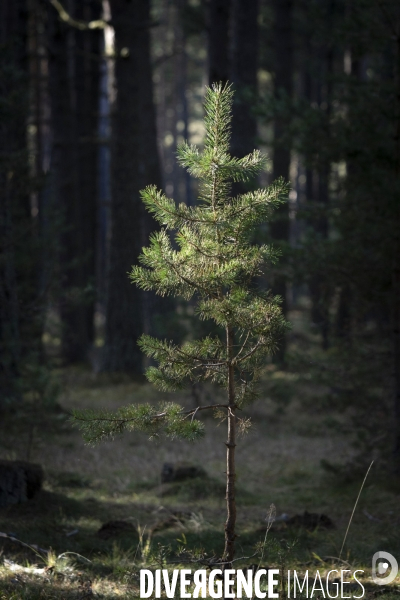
(250, 353)
(122, 421)
(205, 362)
(192, 284)
(81, 25)
(176, 212)
(196, 247)
(242, 347)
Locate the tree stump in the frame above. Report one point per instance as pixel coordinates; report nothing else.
(19, 481)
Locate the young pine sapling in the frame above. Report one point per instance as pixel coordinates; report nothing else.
(213, 262)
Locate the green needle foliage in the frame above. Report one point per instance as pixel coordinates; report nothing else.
(214, 262)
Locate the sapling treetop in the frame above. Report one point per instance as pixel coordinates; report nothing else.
(213, 262)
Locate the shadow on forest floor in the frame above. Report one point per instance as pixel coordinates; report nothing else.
(279, 462)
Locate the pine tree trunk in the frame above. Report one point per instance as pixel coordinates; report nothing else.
(344, 315)
(134, 164)
(63, 170)
(396, 274)
(218, 41)
(283, 45)
(88, 52)
(230, 525)
(14, 202)
(104, 191)
(177, 172)
(319, 285)
(44, 236)
(75, 80)
(244, 67)
(182, 104)
(10, 346)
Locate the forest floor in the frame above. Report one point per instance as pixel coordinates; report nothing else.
(280, 461)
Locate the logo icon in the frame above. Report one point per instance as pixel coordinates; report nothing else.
(387, 561)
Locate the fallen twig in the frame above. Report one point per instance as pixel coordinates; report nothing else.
(33, 547)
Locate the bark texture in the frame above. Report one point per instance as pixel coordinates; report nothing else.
(134, 164)
(396, 273)
(75, 80)
(283, 46)
(319, 287)
(14, 202)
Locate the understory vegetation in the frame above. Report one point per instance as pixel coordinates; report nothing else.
(302, 454)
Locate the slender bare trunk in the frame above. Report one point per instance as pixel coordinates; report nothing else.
(39, 143)
(396, 275)
(319, 287)
(230, 524)
(14, 201)
(283, 45)
(182, 85)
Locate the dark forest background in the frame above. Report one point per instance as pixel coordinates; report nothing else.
(96, 95)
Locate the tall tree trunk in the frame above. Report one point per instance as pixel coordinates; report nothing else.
(283, 83)
(39, 136)
(319, 285)
(75, 76)
(218, 41)
(135, 164)
(244, 65)
(75, 81)
(396, 269)
(182, 117)
(344, 314)
(14, 200)
(104, 192)
(176, 106)
(88, 52)
(63, 169)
